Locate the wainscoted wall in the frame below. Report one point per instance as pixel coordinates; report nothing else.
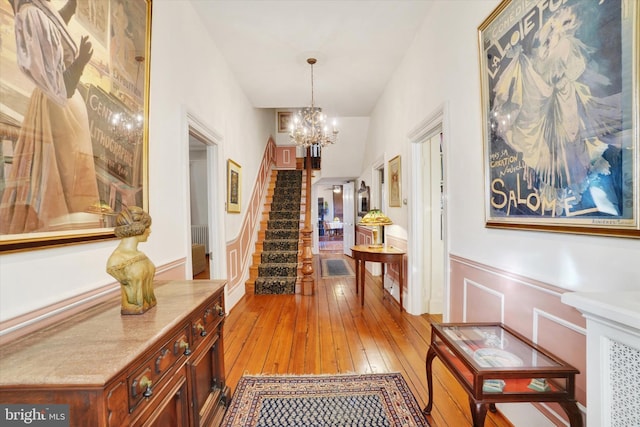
(286, 157)
(392, 272)
(479, 293)
(239, 249)
(364, 236)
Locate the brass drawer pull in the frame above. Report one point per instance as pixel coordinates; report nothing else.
(185, 345)
(219, 309)
(200, 328)
(146, 382)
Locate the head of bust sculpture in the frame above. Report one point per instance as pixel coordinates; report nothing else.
(132, 221)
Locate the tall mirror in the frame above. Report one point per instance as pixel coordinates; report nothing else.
(363, 199)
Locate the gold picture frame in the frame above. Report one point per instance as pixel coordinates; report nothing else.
(51, 196)
(395, 182)
(234, 186)
(284, 121)
(560, 116)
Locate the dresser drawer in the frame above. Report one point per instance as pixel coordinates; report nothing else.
(207, 320)
(149, 376)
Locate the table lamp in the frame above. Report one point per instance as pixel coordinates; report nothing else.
(376, 219)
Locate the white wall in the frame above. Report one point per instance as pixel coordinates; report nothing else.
(441, 68)
(188, 74)
(198, 184)
(344, 158)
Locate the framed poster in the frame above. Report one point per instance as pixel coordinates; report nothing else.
(395, 180)
(233, 186)
(284, 120)
(73, 119)
(559, 83)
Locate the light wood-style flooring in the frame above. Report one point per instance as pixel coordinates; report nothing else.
(330, 333)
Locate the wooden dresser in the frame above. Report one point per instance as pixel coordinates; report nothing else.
(162, 368)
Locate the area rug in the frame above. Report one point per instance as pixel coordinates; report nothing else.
(372, 400)
(335, 267)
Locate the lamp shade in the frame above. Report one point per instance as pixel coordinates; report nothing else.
(375, 217)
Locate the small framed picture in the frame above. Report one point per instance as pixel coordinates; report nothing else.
(233, 186)
(284, 120)
(395, 179)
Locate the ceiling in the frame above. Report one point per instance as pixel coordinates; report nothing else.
(358, 45)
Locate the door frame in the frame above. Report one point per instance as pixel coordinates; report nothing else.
(417, 231)
(348, 217)
(217, 250)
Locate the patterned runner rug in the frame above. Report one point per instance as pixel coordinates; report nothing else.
(370, 400)
(335, 267)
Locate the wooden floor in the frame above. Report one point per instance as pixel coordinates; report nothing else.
(330, 333)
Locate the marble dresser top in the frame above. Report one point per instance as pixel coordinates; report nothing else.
(94, 346)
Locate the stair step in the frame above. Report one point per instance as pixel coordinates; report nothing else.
(279, 257)
(285, 205)
(273, 215)
(283, 224)
(279, 245)
(275, 285)
(282, 234)
(278, 270)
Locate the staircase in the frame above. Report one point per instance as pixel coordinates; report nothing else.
(277, 269)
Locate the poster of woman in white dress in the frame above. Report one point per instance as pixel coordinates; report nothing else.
(558, 91)
(67, 166)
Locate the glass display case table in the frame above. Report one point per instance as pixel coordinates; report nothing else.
(495, 364)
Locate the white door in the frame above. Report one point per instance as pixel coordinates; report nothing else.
(434, 198)
(348, 217)
(427, 243)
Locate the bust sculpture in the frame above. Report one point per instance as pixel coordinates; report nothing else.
(130, 266)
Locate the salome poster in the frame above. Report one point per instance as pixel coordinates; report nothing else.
(558, 93)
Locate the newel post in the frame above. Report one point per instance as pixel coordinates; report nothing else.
(308, 281)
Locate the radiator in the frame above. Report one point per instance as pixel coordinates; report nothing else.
(200, 235)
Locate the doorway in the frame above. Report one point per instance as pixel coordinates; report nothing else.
(427, 218)
(199, 203)
(330, 218)
(348, 217)
(205, 257)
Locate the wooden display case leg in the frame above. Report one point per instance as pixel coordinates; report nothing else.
(428, 364)
(571, 408)
(478, 412)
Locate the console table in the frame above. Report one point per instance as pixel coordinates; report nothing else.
(495, 364)
(382, 254)
(164, 367)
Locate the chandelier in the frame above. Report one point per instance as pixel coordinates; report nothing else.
(127, 127)
(309, 126)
